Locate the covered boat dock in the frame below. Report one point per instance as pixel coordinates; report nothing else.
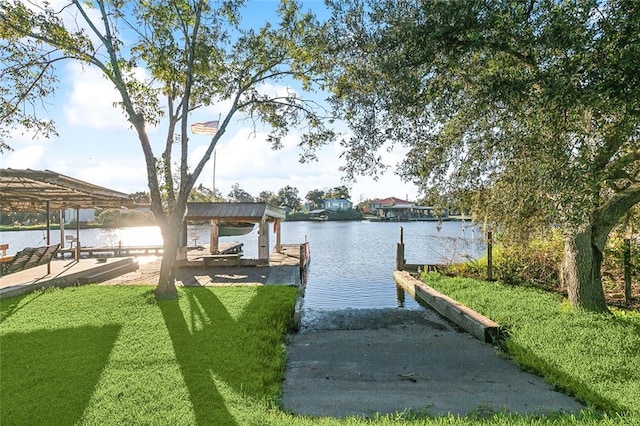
(44, 190)
(264, 215)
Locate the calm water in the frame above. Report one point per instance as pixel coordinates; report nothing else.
(352, 263)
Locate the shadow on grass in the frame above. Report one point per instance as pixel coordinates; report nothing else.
(10, 306)
(245, 353)
(48, 376)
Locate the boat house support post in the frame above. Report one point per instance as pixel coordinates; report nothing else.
(263, 241)
(278, 226)
(61, 228)
(77, 254)
(181, 253)
(48, 233)
(213, 243)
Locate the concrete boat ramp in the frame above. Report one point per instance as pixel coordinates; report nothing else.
(434, 361)
(367, 362)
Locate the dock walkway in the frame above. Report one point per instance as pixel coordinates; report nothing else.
(283, 269)
(111, 251)
(64, 273)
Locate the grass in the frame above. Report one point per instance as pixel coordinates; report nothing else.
(100, 355)
(595, 357)
(113, 355)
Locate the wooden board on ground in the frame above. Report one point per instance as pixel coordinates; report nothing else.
(476, 324)
(284, 275)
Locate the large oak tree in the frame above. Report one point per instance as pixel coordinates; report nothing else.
(534, 105)
(195, 53)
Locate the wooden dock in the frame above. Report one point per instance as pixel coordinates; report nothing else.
(64, 273)
(283, 268)
(111, 251)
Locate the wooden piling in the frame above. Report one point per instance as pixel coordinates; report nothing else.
(400, 260)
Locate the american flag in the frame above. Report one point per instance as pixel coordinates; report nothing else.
(206, 128)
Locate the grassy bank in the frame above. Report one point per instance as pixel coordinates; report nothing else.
(592, 356)
(113, 355)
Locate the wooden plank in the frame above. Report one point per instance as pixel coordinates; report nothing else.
(111, 271)
(284, 275)
(222, 259)
(414, 267)
(476, 324)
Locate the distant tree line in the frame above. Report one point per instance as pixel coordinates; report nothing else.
(287, 197)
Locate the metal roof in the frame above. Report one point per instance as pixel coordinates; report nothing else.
(29, 190)
(233, 212)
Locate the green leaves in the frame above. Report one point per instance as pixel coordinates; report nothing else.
(488, 93)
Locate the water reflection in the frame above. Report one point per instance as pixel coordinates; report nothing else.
(400, 296)
(134, 236)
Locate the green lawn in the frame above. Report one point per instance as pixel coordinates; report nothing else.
(113, 355)
(593, 356)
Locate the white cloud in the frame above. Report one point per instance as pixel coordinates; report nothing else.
(275, 90)
(91, 100)
(126, 176)
(28, 157)
(249, 160)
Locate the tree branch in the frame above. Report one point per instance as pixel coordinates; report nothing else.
(608, 215)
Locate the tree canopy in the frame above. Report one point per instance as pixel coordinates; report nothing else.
(239, 195)
(533, 106)
(288, 197)
(167, 58)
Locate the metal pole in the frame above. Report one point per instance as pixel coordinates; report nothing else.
(214, 174)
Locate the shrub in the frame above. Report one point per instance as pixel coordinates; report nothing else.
(536, 262)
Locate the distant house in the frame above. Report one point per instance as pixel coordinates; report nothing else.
(336, 204)
(391, 208)
(397, 209)
(388, 202)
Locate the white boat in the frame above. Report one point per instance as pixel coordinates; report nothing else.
(229, 229)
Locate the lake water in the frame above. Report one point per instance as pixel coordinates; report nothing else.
(352, 263)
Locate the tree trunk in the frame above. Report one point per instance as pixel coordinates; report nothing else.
(166, 288)
(581, 272)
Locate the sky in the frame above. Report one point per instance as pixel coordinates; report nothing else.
(96, 144)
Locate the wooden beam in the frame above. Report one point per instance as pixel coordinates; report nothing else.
(278, 226)
(476, 324)
(214, 241)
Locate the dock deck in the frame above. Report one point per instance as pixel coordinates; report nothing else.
(283, 269)
(111, 251)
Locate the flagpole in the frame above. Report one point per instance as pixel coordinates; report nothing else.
(208, 128)
(214, 174)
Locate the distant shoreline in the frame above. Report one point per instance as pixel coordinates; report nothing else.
(70, 226)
